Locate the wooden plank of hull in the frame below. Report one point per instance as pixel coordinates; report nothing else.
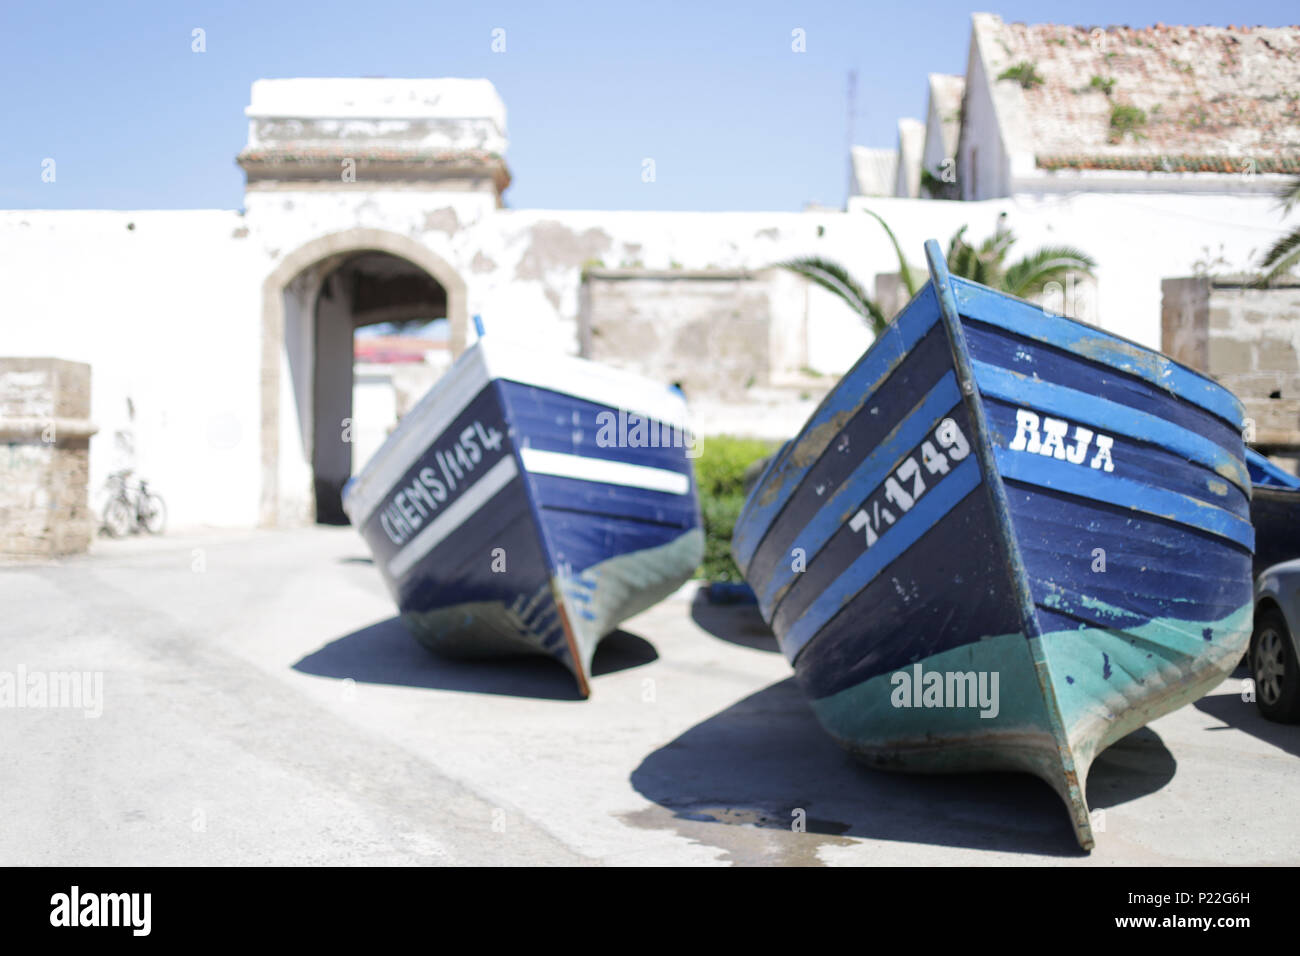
(601, 597)
(518, 530)
(983, 565)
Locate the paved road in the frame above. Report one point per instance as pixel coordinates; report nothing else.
(260, 705)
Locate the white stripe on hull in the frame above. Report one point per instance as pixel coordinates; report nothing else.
(590, 381)
(603, 470)
(478, 366)
(430, 417)
(493, 480)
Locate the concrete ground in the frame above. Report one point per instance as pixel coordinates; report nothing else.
(261, 705)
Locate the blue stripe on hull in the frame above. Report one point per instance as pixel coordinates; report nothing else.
(997, 347)
(1151, 465)
(551, 421)
(1141, 429)
(486, 588)
(585, 522)
(460, 568)
(1102, 350)
(1125, 493)
(445, 472)
(612, 549)
(798, 457)
(587, 497)
(888, 527)
(940, 403)
(800, 622)
(871, 444)
(933, 598)
(1153, 568)
(578, 540)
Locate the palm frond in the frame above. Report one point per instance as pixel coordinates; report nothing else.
(1289, 194)
(834, 278)
(957, 240)
(999, 244)
(963, 258)
(1029, 274)
(983, 263)
(1280, 249)
(904, 270)
(1281, 257)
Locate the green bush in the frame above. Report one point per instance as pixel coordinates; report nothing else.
(1025, 73)
(1125, 119)
(720, 476)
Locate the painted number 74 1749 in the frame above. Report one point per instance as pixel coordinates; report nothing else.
(922, 469)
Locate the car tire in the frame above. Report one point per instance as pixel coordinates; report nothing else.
(1274, 668)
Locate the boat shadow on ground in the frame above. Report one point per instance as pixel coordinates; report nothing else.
(1244, 715)
(756, 765)
(385, 653)
(735, 623)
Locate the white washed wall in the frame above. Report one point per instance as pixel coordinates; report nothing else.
(169, 313)
(168, 316)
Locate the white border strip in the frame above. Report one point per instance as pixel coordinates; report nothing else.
(421, 426)
(481, 364)
(588, 380)
(603, 470)
(493, 480)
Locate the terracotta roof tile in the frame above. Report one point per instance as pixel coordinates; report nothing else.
(1189, 94)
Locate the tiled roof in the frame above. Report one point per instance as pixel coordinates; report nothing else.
(1172, 163)
(1121, 98)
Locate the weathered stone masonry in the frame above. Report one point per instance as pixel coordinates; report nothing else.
(1248, 339)
(45, 457)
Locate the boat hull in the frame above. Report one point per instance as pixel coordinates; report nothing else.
(1004, 541)
(518, 512)
(1275, 512)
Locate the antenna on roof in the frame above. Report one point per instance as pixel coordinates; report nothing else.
(478, 324)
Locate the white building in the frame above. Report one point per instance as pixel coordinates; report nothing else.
(221, 340)
(1049, 109)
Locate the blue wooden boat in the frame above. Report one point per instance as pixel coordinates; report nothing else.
(1274, 511)
(529, 504)
(1004, 541)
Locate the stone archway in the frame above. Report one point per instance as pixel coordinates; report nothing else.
(278, 504)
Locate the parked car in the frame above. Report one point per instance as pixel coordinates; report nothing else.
(1273, 649)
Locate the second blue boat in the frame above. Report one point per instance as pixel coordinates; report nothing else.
(528, 504)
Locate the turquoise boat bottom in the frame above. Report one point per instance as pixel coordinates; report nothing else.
(567, 618)
(1053, 703)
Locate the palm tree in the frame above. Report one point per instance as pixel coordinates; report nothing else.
(985, 263)
(834, 278)
(1285, 253)
(1027, 276)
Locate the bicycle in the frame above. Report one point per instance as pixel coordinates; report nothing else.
(127, 510)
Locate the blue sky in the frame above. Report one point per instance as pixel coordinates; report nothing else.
(712, 92)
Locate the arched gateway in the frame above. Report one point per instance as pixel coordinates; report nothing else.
(374, 168)
(311, 305)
